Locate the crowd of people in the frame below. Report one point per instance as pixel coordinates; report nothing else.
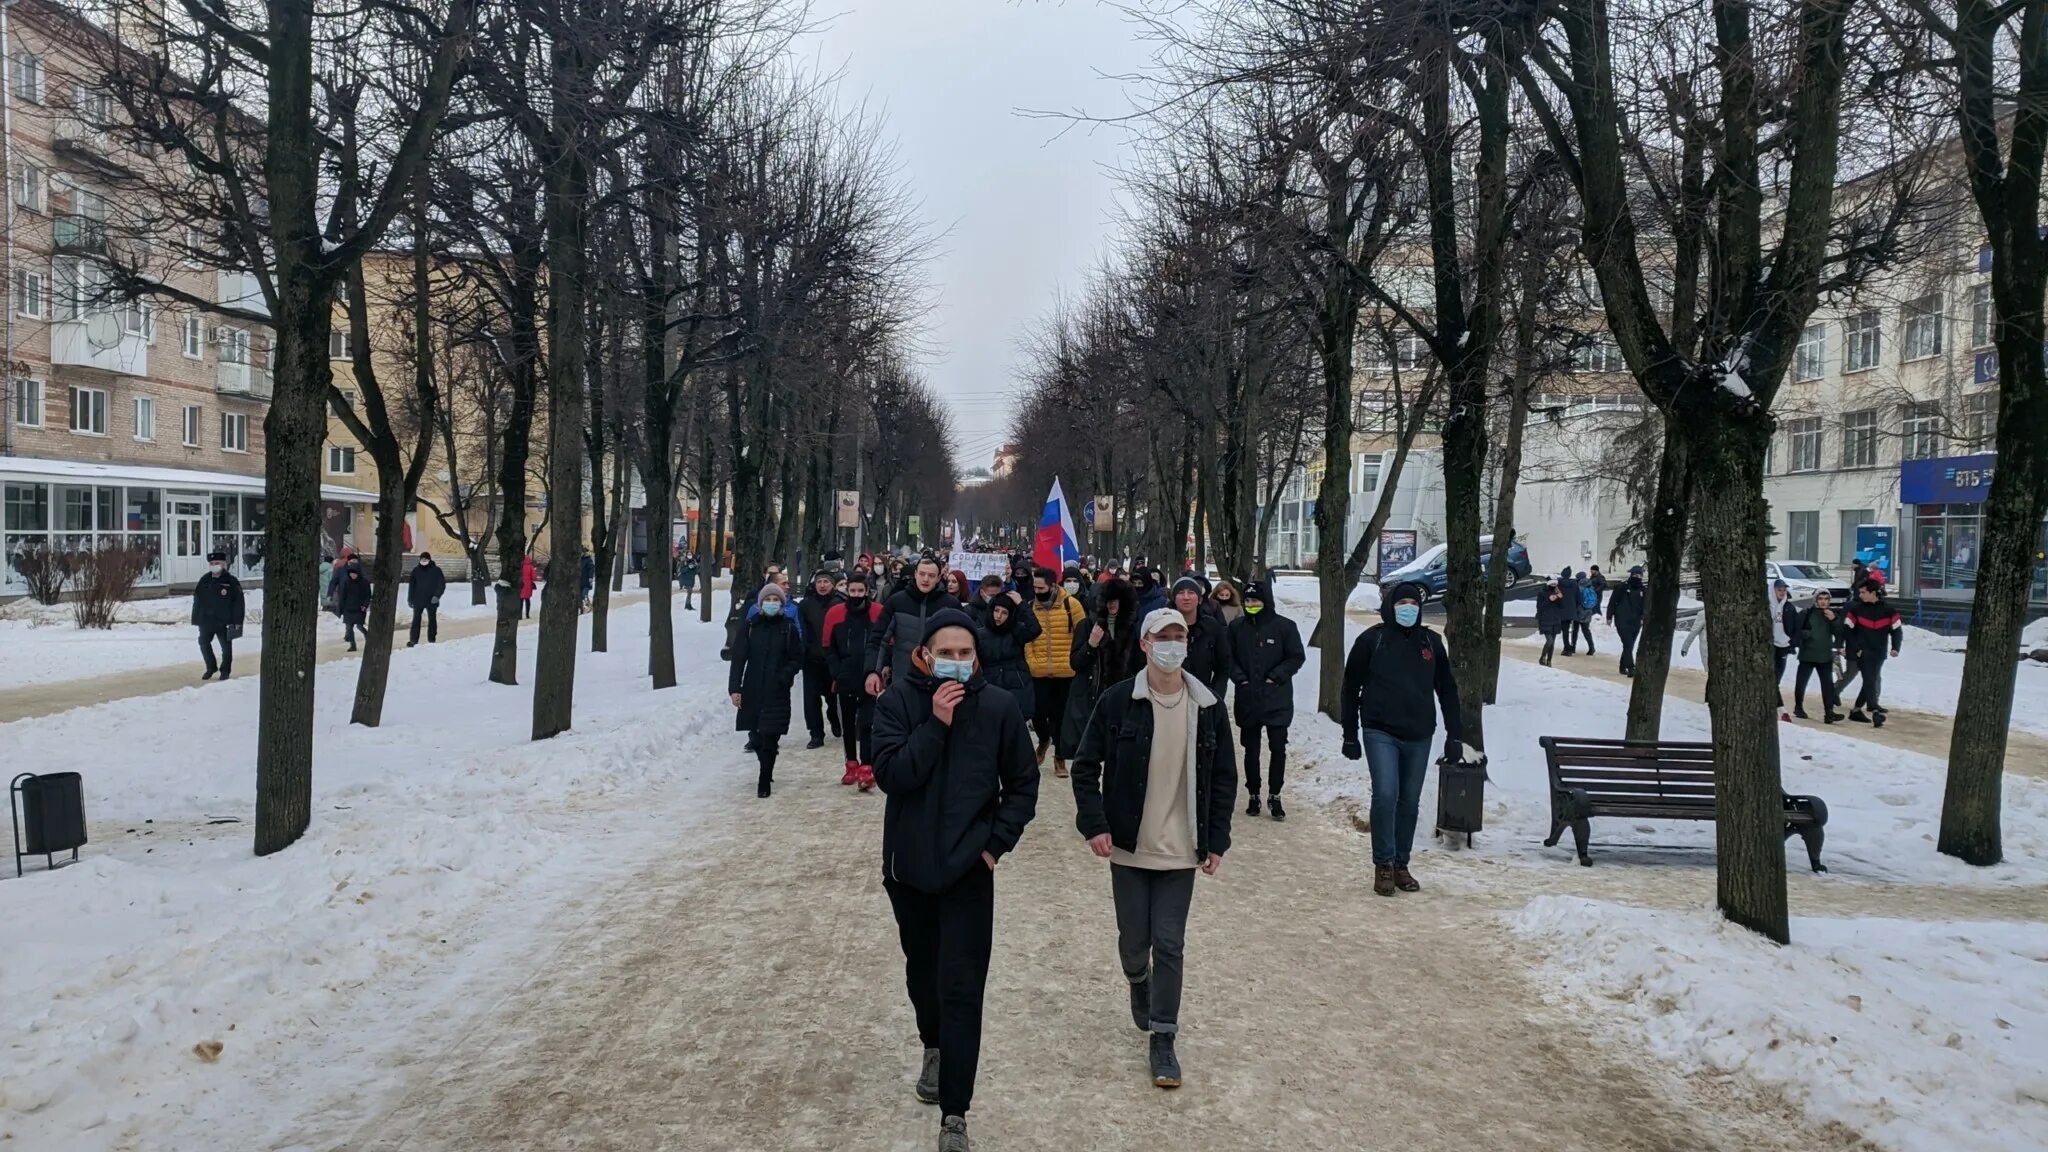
(950, 694)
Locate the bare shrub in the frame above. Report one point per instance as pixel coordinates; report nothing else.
(103, 578)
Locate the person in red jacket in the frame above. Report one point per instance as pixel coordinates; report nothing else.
(526, 582)
(845, 641)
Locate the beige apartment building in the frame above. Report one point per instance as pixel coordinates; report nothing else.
(121, 421)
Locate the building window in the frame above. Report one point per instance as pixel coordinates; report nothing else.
(28, 187)
(1810, 359)
(1803, 438)
(1859, 439)
(234, 346)
(1862, 341)
(191, 426)
(31, 294)
(192, 334)
(1921, 424)
(89, 410)
(1599, 354)
(1923, 327)
(1852, 519)
(1983, 316)
(1369, 471)
(234, 432)
(1980, 419)
(28, 402)
(145, 418)
(339, 345)
(28, 77)
(1802, 536)
(341, 461)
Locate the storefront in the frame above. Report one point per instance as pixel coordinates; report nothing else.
(1944, 520)
(177, 516)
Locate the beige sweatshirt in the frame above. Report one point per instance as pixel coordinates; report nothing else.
(1166, 830)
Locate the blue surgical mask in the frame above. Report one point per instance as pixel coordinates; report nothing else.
(771, 607)
(961, 670)
(1407, 614)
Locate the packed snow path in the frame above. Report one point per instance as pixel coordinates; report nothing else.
(745, 991)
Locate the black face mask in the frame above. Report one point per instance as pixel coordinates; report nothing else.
(856, 599)
(1045, 597)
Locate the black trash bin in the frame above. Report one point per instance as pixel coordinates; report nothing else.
(52, 815)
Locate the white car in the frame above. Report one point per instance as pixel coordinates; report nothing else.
(1805, 578)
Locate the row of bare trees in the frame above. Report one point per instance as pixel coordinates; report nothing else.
(585, 257)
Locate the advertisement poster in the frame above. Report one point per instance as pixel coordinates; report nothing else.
(914, 525)
(1874, 544)
(849, 509)
(1396, 550)
(1103, 518)
(1928, 572)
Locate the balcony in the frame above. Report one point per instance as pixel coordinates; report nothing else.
(76, 235)
(80, 140)
(241, 292)
(100, 341)
(244, 380)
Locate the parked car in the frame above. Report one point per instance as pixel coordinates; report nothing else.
(1804, 578)
(1431, 568)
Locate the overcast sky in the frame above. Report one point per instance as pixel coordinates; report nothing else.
(1025, 210)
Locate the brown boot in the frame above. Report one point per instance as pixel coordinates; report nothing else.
(1404, 881)
(1059, 768)
(1039, 756)
(1383, 879)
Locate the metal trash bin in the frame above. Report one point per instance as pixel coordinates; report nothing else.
(49, 816)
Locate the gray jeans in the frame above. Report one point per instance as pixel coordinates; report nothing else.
(1152, 933)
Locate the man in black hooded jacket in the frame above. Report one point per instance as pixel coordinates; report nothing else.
(906, 619)
(953, 755)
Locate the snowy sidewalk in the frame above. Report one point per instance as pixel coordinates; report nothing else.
(745, 992)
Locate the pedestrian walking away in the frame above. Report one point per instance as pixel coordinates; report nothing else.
(1874, 630)
(1105, 651)
(1265, 654)
(1588, 593)
(529, 575)
(352, 601)
(846, 641)
(1049, 656)
(1570, 588)
(218, 612)
(1154, 786)
(1816, 634)
(1784, 629)
(1394, 668)
(1553, 617)
(953, 756)
(1599, 583)
(767, 655)
(822, 596)
(1625, 608)
(423, 595)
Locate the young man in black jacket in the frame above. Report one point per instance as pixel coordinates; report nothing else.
(1394, 669)
(818, 705)
(218, 612)
(905, 623)
(953, 755)
(1265, 653)
(1208, 638)
(1874, 627)
(1154, 785)
(423, 596)
(1625, 613)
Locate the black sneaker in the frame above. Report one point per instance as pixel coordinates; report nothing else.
(1250, 809)
(1877, 717)
(1832, 718)
(1165, 1065)
(1273, 806)
(1141, 1005)
(817, 741)
(1801, 714)
(928, 1078)
(953, 1134)
(412, 643)
(1857, 715)
(210, 674)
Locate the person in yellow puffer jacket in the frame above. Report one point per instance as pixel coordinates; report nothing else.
(1050, 658)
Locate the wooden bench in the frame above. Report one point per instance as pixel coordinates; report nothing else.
(1661, 780)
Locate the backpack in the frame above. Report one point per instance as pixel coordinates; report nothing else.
(1589, 597)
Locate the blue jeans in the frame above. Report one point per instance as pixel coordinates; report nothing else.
(1397, 767)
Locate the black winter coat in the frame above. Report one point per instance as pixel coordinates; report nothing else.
(811, 610)
(1874, 630)
(1816, 637)
(217, 603)
(1265, 654)
(1389, 680)
(846, 644)
(426, 586)
(352, 597)
(1208, 650)
(767, 654)
(1113, 767)
(955, 791)
(1554, 616)
(1119, 658)
(902, 627)
(1003, 660)
(1625, 606)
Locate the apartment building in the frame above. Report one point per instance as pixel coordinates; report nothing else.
(119, 421)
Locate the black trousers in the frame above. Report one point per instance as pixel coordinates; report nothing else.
(817, 687)
(207, 636)
(1828, 697)
(433, 615)
(1873, 682)
(856, 711)
(1628, 634)
(764, 753)
(1276, 739)
(1578, 628)
(946, 940)
(1049, 704)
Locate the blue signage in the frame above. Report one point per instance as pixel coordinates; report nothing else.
(1874, 548)
(1956, 480)
(1987, 367)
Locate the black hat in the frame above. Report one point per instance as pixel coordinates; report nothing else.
(216, 557)
(1256, 590)
(948, 618)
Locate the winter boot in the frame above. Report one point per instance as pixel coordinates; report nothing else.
(1059, 767)
(1383, 879)
(766, 781)
(1857, 715)
(1404, 880)
(1832, 718)
(1252, 808)
(867, 778)
(1165, 1065)
(1044, 743)
(817, 741)
(1273, 807)
(1800, 712)
(209, 674)
(1141, 1004)
(852, 775)
(1877, 717)
(953, 1134)
(928, 1078)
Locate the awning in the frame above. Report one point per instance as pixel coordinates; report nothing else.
(98, 472)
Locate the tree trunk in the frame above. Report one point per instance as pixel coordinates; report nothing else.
(1727, 454)
(607, 553)
(554, 669)
(1465, 594)
(1504, 510)
(1666, 557)
(386, 568)
(512, 463)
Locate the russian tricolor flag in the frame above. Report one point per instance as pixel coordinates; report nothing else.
(1056, 546)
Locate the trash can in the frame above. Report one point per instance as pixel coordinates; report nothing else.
(52, 817)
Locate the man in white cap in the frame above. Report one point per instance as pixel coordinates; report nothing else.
(1154, 784)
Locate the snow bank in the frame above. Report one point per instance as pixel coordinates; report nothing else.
(1924, 1037)
(442, 845)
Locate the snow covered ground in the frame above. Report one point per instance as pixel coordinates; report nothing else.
(168, 991)
(1925, 1037)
